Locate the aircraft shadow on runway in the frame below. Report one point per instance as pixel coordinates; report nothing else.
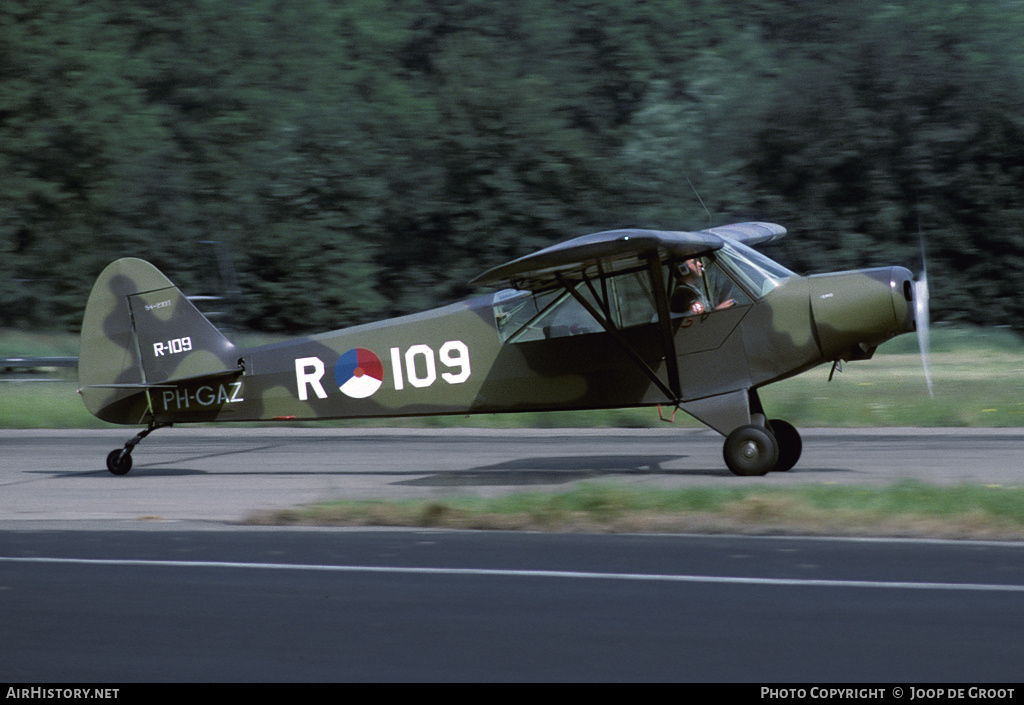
(542, 470)
(523, 471)
(552, 470)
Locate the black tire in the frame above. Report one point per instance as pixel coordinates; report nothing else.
(790, 444)
(119, 461)
(750, 450)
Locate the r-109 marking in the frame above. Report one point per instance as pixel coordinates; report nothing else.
(173, 346)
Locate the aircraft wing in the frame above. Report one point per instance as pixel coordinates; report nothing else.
(614, 250)
(749, 233)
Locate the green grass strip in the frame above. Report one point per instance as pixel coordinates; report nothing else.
(901, 509)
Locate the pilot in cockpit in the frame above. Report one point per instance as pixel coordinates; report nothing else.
(689, 297)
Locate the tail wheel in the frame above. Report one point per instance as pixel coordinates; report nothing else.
(790, 445)
(119, 461)
(750, 450)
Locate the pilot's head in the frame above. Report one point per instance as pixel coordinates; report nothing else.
(692, 268)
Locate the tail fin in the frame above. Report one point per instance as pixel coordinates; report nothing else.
(140, 332)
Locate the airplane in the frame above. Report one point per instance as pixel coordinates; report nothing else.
(698, 321)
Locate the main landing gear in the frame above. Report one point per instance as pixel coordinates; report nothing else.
(119, 460)
(756, 449)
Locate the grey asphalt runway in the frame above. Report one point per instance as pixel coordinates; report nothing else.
(349, 605)
(226, 474)
(145, 577)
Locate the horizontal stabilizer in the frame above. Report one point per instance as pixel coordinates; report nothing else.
(229, 374)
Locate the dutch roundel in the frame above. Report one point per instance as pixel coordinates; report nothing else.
(358, 373)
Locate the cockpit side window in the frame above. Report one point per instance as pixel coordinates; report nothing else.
(723, 291)
(624, 299)
(732, 276)
(633, 300)
(515, 310)
(522, 316)
(700, 285)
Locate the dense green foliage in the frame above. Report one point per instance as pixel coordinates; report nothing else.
(364, 158)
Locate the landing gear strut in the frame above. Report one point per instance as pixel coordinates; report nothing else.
(119, 460)
(757, 450)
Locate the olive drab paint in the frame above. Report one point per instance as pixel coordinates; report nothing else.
(589, 323)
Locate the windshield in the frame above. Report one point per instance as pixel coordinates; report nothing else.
(755, 272)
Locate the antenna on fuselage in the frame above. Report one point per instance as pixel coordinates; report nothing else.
(701, 200)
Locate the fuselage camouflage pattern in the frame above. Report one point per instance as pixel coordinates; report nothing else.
(590, 324)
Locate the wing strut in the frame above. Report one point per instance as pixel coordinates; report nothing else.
(673, 396)
(665, 324)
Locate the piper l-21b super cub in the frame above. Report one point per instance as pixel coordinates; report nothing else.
(623, 318)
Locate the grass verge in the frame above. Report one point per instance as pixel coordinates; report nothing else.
(978, 381)
(907, 509)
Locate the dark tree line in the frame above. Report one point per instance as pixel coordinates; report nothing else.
(367, 158)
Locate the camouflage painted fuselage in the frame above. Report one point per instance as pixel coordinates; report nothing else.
(148, 356)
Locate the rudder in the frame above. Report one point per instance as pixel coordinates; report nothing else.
(141, 332)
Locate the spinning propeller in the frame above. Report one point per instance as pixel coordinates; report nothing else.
(921, 319)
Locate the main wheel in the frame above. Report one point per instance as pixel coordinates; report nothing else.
(750, 450)
(119, 461)
(790, 445)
